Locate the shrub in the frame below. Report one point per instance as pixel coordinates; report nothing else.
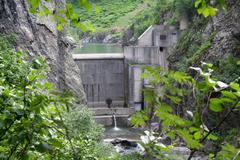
(35, 122)
(80, 122)
(166, 98)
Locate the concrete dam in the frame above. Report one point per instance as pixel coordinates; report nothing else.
(115, 78)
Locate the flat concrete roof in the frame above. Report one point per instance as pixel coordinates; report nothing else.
(98, 56)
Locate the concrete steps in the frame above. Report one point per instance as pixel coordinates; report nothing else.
(109, 111)
(104, 116)
(107, 121)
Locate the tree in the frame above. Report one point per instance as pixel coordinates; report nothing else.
(165, 101)
(35, 119)
(63, 14)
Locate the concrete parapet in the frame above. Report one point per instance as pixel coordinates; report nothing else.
(146, 55)
(99, 56)
(110, 111)
(122, 120)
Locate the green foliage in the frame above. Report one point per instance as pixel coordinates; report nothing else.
(226, 69)
(206, 9)
(36, 121)
(62, 14)
(171, 21)
(229, 152)
(152, 147)
(186, 55)
(201, 50)
(108, 14)
(184, 8)
(25, 104)
(80, 122)
(148, 17)
(165, 98)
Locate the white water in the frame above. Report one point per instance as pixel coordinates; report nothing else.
(115, 123)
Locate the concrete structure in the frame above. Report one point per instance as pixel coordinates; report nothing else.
(103, 78)
(146, 38)
(118, 75)
(159, 35)
(184, 23)
(153, 48)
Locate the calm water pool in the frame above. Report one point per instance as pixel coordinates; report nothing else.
(123, 133)
(99, 48)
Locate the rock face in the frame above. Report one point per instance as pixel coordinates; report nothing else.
(227, 28)
(38, 36)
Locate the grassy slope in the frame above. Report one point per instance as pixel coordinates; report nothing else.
(115, 14)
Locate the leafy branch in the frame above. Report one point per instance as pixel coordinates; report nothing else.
(215, 128)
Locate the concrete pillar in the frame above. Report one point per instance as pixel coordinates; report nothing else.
(184, 22)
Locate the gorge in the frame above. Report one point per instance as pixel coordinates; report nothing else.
(165, 87)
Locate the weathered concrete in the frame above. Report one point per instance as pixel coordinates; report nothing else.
(118, 76)
(159, 35)
(184, 23)
(146, 55)
(110, 111)
(107, 120)
(146, 38)
(102, 77)
(153, 48)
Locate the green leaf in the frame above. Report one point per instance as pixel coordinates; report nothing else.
(44, 11)
(193, 129)
(229, 94)
(56, 143)
(34, 5)
(97, 9)
(212, 11)
(59, 27)
(205, 12)
(215, 105)
(238, 62)
(235, 86)
(165, 107)
(174, 99)
(139, 119)
(32, 75)
(197, 135)
(6, 92)
(194, 144)
(212, 137)
(197, 3)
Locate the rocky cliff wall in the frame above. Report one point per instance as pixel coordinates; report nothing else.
(226, 25)
(225, 31)
(38, 36)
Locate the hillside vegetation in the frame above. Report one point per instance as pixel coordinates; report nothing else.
(108, 15)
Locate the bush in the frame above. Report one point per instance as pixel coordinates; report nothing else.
(37, 121)
(80, 122)
(167, 97)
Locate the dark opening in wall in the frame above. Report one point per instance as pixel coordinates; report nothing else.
(163, 37)
(161, 49)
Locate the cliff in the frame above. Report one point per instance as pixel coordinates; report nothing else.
(38, 36)
(215, 40)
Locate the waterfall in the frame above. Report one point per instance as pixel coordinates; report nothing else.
(115, 122)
